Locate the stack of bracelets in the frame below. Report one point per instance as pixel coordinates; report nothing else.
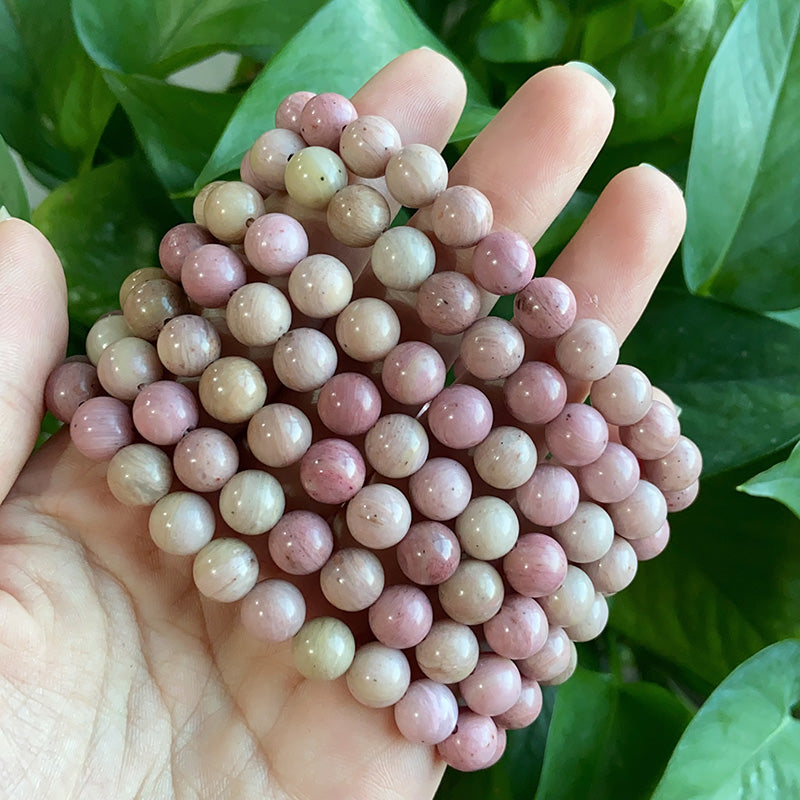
(249, 389)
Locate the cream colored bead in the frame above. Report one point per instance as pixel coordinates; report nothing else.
(587, 535)
(251, 502)
(127, 365)
(139, 474)
(593, 624)
(105, 332)
(396, 446)
(571, 602)
(448, 653)
(225, 570)
(230, 209)
(352, 579)
(271, 152)
(304, 359)
(506, 458)
(137, 278)
(473, 594)
(320, 286)
(323, 649)
(182, 523)
(232, 389)
(258, 314)
(367, 144)
(378, 676)
(314, 175)
(402, 258)
(487, 528)
(199, 204)
(368, 329)
(416, 175)
(278, 435)
(358, 215)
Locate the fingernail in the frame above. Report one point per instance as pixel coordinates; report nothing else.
(678, 409)
(4, 215)
(649, 166)
(429, 49)
(595, 73)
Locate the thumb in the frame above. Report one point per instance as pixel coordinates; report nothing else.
(33, 335)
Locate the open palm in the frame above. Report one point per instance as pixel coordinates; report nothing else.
(116, 678)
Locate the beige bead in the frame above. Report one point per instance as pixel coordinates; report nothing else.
(473, 594)
(568, 672)
(251, 502)
(139, 474)
(137, 278)
(615, 570)
(368, 329)
(396, 446)
(587, 535)
(230, 209)
(358, 215)
(127, 365)
(182, 523)
(270, 154)
(188, 344)
(279, 435)
(105, 331)
(352, 579)
(551, 660)
(378, 676)
(232, 389)
(402, 258)
(151, 305)
(258, 314)
(320, 286)
(323, 649)
(488, 528)
(506, 458)
(199, 204)
(462, 216)
(304, 359)
(571, 602)
(416, 175)
(593, 624)
(225, 570)
(448, 653)
(367, 144)
(314, 175)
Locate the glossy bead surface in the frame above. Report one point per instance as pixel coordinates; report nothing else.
(536, 393)
(506, 458)
(232, 389)
(150, 306)
(448, 653)
(462, 216)
(164, 412)
(137, 278)
(654, 435)
(199, 202)
(492, 348)
(273, 611)
(460, 416)
(571, 601)
(549, 497)
(303, 359)
(225, 570)
(427, 713)
(518, 630)
(396, 446)
(416, 175)
(473, 594)
(367, 144)
(313, 176)
(251, 502)
(472, 745)
(275, 243)
(368, 329)
(211, 274)
(545, 308)
(379, 516)
(448, 302)
(612, 477)
(176, 245)
(413, 373)
(278, 435)
(300, 543)
(536, 566)
(401, 617)
(69, 385)
(429, 553)
(379, 675)
(577, 436)
(205, 459)
(101, 427)
(615, 570)
(623, 396)
(349, 404)
(526, 710)
(352, 579)
(258, 314)
(104, 332)
(289, 109)
(402, 258)
(270, 154)
(324, 117)
(357, 215)
(593, 624)
(587, 535)
(588, 351)
(640, 514)
(332, 471)
(494, 687)
(503, 262)
(128, 365)
(139, 474)
(678, 469)
(320, 286)
(487, 528)
(187, 345)
(182, 523)
(323, 649)
(651, 546)
(440, 489)
(230, 209)
(682, 498)
(551, 659)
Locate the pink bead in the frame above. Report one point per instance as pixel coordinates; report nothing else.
(178, 243)
(612, 477)
(288, 112)
(441, 489)
(100, 427)
(324, 117)
(273, 611)
(378, 516)
(536, 566)
(247, 175)
(367, 144)
(429, 554)
(545, 308)
(588, 351)
(640, 514)
(624, 396)
(651, 546)
(164, 411)
(500, 749)
(401, 617)
(577, 436)
(413, 373)
(448, 302)
(69, 385)
(300, 543)
(519, 629)
(427, 713)
(682, 498)
(493, 687)
(550, 497)
(275, 243)
(654, 435)
(552, 660)
(349, 404)
(211, 274)
(460, 416)
(492, 348)
(503, 262)
(205, 459)
(536, 393)
(526, 710)
(473, 744)
(462, 216)
(332, 471)
(678, 469)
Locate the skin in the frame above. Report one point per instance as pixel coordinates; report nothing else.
(116, 679)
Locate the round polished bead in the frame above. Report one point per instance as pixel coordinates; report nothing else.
(536, 566)
(448, 302)
(69, 385)
(324, 117)
(211, 274)
(416, 175)
(506, 458)
(568, 672)
(571, 601)
(278, 435)
(401, 617)
(588, 351)
(349, 404)
(473, 594)
(150, 306)
(536, 393)
(587, 534)
(251, 502)
(314, 175)
(137, 278)
(182, 523)
(101, 427)
(651, 546)
(176, 245)
(205, 459)
(473, 744)
(593, 624)
(396, 446)
(678, 469)
(199, 203)
(139, 475)
(413, 373)
(577, 436)
(104, 332)
(368, 329)
(187, 345)
(379, 675)
(640, 514)
(654, 435)
(300, 543)
(320, 286)
(448, 653)
(427, 713)
(487, 528)
(352, 579)
(623, 396)
(229, 210)
(494, 687)
(332, 471)
(462, 216)
(525, 711)
(367, 144)
(357, 215)
(225, 570)
(323, 649)
(429, 553)
(503, 262)
(246, 175)
(615, 570)
(492, 348)
(258, 314)
(303, 359)
(275, 243)
(550, 496)
(460, 416)
(289, 109)
(402, 258)
(273, 611)
(551, 659)
(127, 366)
(682, 498)
(441, 489)
(612, 477)
(518, 630)
(379, 516)
(232, 389)
(545, 308)
(164, 412)
(270, 154)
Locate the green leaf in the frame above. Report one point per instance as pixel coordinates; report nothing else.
(780, 482)
(743, 234)
(608, 29)
(104, 225)
(376, 32)
(12, 191)
(744, 741)
(608, 739)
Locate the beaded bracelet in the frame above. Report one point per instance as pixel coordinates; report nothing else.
(363, 464)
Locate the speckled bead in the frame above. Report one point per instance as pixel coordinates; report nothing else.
(494, 687)
(136, 278)
(128, 365)
(270, 154)
(678, 469)
(473, 744)
(615, 570)
(587, 535)
(492, 348)
(413, 373)
(352, 579)
(313, 176)
(441, 489)
(107, 330)
(427, 713)
(448, 302)
(258, 314)
(551, 659)
(487, 528)
(545, 308)
(518, 630)
(378, 516)
(460, 416)
(571, 602)
(304, 359)
(287, 115)
(150, 306)
(357, 215)
(324, 117)
(251, 502)
(187, 345)
(100, 427)
(588, 351)
(379, 676)
(275, 243)
(176, 245)
(225, 570)
(429, 553)
(349, 404)
(640, 514)
(577, 436)
(230, 209)
(506, 458)
(462, 216)
(612, 477)
(503, 262)
(332, 471)
(164, 412)
(300, 543)
(536, 566)
(69, 385)
(396, 446)
(654, 435)
(273, 611)
(623, 396)
(278, 435)
(367, 144)
(448, 653)
(416, 175)
(320, 286)
(550, 496)
(401, 617)
(473, 594)
(205, 459)
(535, 394)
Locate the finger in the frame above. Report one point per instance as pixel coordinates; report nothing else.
(33, 335)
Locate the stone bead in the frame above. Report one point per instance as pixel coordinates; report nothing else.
(320, 286)
(401, 617)
(288, 112)
(232, 389)
(612, 477)
(536, 566)
(332, 471)
(413, 373)
(473, 594)
(275, 243)
(545, 308)
(402, 258)
(137, 278)
(651, 546)
(349, 404)
(323, 649)
(487, 528)
(105, 332)
(270, 154)
(164, 412)
(623, 396)
(550, 496)
(416, 175)
(396, 446)
(324, 117)
(492, 348)
(441, 489)
(429, 553)
(678, 469)
(494, 687)
(352, 579)
(506, 458)
(278, 435)
(577, 436)
(448, 653)
(225, 570)
(205, 459)
(176, 245)
(182, 523)
(313, 176)
(654, 435)
(682, 498)
(357, 215)
(427, 713)
(230, 209)
(460, 416)
(587, 535)
(640, 514)
(568, 672)
(101, 427)
(448, 302)
(300, 543)
(536, 393)
(211, 274)
(187, 345)
(199, 203)
(462, 216)
(588, 351)
(139, 475)
(273, 611)
(593, 624)
(525, 711)
(251, 502)
(246, 175)
(379, 516)
(150, 306)
(128, 365)
(69, 385)
(503, 263)
(518, 630)
(304, 359)
(551, 659)
(614, 571)
(473, 744)
(258, 314)
(571, 602)
(379, 676)
(367, 144)
(368, 329)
